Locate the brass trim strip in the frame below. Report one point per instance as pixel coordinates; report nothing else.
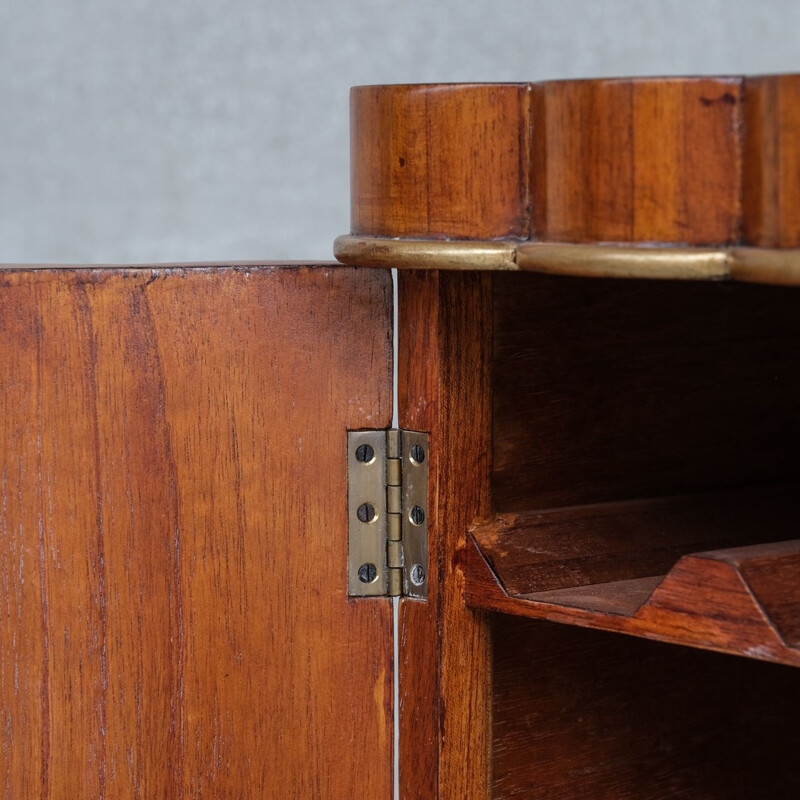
(618, 261)
(780, 267)
(763, 265)
(370, 251)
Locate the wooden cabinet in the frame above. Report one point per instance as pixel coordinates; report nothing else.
(597, 328)
(598, 325)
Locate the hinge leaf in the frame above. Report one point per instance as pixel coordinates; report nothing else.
(388, 513)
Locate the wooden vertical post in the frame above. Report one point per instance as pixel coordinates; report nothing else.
(445, 673)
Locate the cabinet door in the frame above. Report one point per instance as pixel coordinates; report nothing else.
(174, 619)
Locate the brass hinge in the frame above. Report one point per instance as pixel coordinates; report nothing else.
(388, 513)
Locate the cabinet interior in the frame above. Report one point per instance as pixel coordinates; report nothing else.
(645, 481)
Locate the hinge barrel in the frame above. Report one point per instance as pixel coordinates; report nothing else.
(388, 513)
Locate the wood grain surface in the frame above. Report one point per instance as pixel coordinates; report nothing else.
(704, 601)
(637, 160)
(421, 156)
(547, 392)
(173, 535)
(596, 543)
(772, 161)
(704, 161)
(586, 715)
(445, 672)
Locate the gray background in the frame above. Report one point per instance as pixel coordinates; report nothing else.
(144, 131)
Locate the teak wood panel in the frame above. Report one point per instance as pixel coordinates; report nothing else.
(772, 161)
(637, 160)
(741, 601)
(445, 670)
(599, 543)
(173, 535)
(421, 156)
(704, 161)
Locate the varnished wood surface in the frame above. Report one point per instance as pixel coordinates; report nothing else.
(774, 580)
(563, 548)
(694, 160)
(445, 671)
(173, 539)
(636, 567)
(421, 156)
(587, 715)
(771, 126)
(607, 390)
(637, 160)
(704, 601)
(705, 161)
(600, 394)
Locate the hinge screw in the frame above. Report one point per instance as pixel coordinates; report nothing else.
(367, 573)
(417, 454)
(366, 512)
(417, 575)
(365, 454)
(417, 515)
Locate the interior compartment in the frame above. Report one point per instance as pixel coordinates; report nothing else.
(586, 714)
(645, 472)
(646, 481)
(610, 390)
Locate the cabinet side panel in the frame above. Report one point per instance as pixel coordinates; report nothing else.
(173, 559)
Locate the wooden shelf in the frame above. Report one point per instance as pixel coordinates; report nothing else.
(718, 571)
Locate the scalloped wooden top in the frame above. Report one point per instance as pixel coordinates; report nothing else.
(710, 162)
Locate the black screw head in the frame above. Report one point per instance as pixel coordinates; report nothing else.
(417, 515)
(367, 573)
(417, 575)
(365, 453)
(366, 512)
(417, 453)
